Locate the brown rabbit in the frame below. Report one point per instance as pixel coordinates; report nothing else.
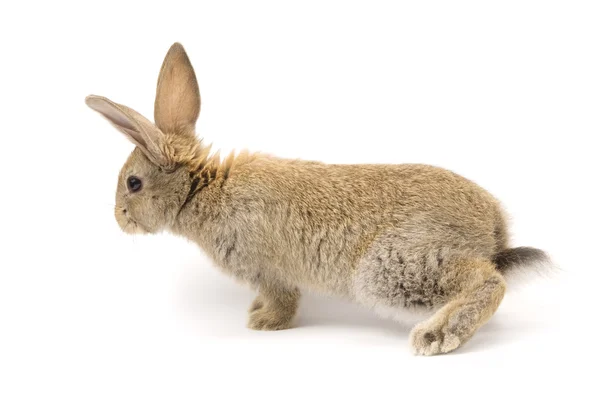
(405, 240)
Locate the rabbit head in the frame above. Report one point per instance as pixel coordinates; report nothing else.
(155, 180)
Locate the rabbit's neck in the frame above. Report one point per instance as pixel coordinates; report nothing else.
(203, 216)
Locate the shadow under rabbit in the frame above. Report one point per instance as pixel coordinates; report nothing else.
(204, 295)
(220, 305)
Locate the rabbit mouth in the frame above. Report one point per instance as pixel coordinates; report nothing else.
(128, 224)
(133, 227)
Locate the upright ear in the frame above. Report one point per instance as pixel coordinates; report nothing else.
(138, 129)
(177, 103)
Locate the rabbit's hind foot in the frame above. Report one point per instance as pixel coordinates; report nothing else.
(456, 322)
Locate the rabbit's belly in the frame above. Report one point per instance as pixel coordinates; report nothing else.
(392, 295)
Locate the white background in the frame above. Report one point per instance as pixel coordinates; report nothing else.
(506, 93)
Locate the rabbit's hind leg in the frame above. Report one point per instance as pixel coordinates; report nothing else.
(480, 291)
(274, 308)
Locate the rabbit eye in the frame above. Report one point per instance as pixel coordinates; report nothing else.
(134, 184)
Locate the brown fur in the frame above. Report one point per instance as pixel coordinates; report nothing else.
(396, 238)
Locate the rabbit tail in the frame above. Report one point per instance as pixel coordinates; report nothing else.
(520, 264)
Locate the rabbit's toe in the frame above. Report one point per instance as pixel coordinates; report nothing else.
(269, 320)
(427, 340)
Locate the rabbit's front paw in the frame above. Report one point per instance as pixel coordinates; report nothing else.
(265, 318)
(274, 308)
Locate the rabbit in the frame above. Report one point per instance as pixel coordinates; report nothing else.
(412, 242)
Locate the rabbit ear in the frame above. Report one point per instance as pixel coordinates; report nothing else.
(138, 129)
(177, 103)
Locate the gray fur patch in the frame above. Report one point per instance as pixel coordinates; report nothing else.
(409, 272)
